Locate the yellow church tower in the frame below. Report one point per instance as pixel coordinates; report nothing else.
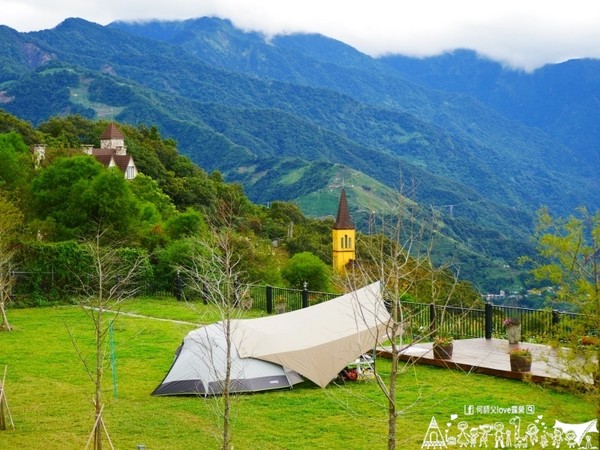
(344, 236)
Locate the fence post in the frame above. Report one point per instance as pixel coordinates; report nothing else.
(432, 324)
(305, 295)
(555, 317)
(269, 292)
(178, 286)
(488, 320)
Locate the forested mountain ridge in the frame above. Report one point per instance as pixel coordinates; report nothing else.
(269, 114)
(560, 99)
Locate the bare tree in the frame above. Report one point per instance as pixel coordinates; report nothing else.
(399, 256)
(113, 278)
(213, 272)
(11, 220)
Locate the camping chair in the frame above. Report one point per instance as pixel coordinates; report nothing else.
(361, 369)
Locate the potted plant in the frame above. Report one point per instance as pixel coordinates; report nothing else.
(512, 325)
(442, 347)
(520, 360)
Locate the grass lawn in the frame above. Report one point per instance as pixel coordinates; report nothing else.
(50, 394)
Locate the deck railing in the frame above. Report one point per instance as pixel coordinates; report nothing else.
(423, 320)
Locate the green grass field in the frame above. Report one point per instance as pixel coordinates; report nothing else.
(50, 394)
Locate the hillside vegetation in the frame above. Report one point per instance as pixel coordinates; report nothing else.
(68, 198)
(282, 116)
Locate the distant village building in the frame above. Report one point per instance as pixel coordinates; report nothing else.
(112, 152)
(343, 236)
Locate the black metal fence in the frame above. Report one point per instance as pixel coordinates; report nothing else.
(275, 299)
(421, 319)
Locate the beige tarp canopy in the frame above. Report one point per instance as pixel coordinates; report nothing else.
(317, 342)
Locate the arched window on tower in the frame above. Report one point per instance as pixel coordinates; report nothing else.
(346, 242)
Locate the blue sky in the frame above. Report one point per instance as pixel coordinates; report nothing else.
(523, 34)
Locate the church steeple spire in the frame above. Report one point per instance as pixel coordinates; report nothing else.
(343, 236)
(343, 220)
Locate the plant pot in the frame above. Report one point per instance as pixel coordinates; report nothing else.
(513, 334)
(520, 363)
(443, 351)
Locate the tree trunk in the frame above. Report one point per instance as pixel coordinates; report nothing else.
(5, 325)
(98, 398)
(392, 411)
(226, 387)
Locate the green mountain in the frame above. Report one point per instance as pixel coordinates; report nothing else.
(285, 117)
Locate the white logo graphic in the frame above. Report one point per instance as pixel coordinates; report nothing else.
(533, 433)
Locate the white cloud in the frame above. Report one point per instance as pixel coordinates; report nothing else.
(520, 33)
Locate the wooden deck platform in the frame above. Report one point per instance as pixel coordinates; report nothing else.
(487, 356)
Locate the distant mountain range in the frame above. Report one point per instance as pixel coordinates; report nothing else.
(474, 148)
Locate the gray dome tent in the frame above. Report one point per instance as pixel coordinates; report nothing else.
(199, 368)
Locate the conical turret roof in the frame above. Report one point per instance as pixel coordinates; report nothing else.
(343, 220)
(111, 132)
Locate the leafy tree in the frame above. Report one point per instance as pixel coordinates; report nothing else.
(111, 204)
(147, 190)
(55, 188)
(52, 264)
(313, 236)
(9, 123)
(307, 267)
(72, 131)
(78, 193)
(189, 223)
(570, 252)
(173, 255)
(231, 202)
(260, 262)
(17, 162)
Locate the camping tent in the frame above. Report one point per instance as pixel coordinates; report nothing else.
(319, 341)
(199, 368)
(270, 352)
